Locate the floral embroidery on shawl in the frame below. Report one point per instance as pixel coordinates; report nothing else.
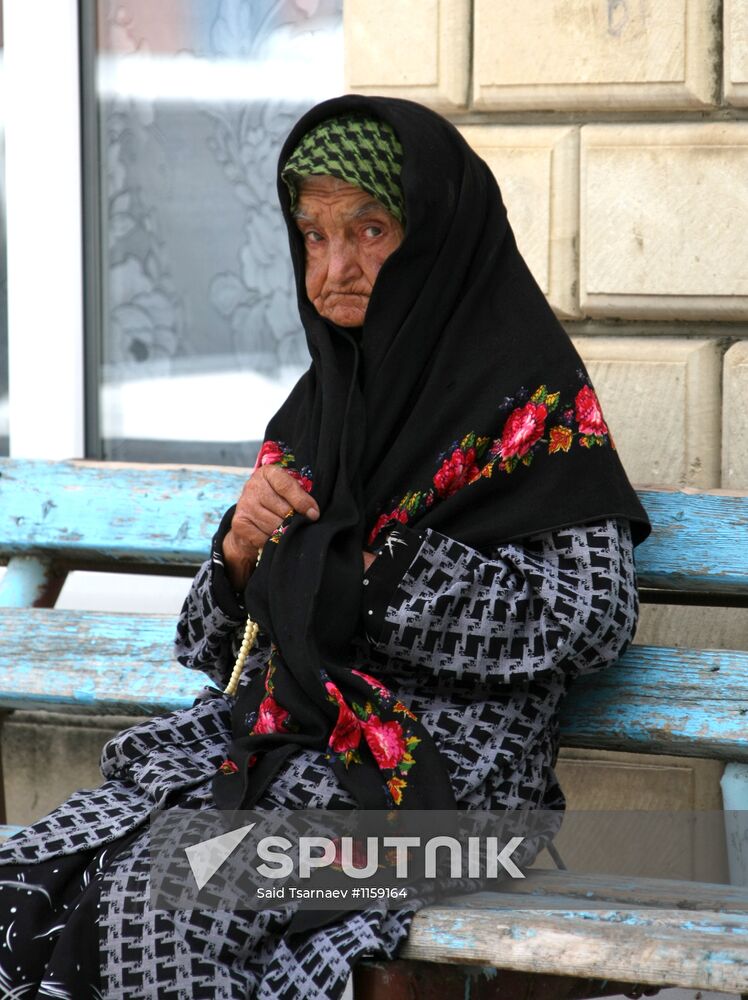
(389, 740)
(372, 721)
(535, 423)
(271, 717)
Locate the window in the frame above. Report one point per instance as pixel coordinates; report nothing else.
(4, 435)
(193, 330)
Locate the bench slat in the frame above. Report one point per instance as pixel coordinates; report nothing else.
(684, 948)
(698, 541)
(61, 515)
(92, 662)
(583, 890)
(95, 513)
(663, 700)
(683, 702)
(105, 513)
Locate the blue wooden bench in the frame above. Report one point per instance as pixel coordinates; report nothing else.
(593, 933)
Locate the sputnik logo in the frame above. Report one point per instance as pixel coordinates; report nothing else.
(207, 857)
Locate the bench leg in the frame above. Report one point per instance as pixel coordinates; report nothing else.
(31, 582)
(407, 980)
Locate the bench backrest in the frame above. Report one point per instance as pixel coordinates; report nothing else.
(99, 514)
(64, 515)
(94, 514)
(102, 514)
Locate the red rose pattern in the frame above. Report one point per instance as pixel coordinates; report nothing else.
(524, 427)
(271, 717)
(456, 471)
(346, 734)
(278, 453)
(386, 741)
(588, 413)
(270, 454)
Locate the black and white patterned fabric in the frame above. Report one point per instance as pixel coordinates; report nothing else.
(441, 619)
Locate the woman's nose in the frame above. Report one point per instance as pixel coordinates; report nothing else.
(343, 263)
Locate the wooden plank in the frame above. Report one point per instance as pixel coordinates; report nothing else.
(165, 515)
(92, 662)
(665, 699)
(699, 541)
(678, 948)
(569, 889)
(100, 513)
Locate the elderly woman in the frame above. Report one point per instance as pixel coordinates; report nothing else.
(446, 536)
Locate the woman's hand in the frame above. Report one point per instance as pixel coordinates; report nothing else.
(269, 496)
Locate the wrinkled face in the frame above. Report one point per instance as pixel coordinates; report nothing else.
(348, 235)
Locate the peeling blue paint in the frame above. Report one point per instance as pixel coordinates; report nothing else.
(712, 928)
(128, 666)
(452, 941)
(694, 541)
(81, 508)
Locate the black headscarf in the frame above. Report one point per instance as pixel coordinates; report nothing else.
(461, 405)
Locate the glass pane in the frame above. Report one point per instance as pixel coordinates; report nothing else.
(200, 336)
(4, 440)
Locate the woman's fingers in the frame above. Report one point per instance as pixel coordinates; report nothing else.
(269, 496)
(288, 489)
(272, 495)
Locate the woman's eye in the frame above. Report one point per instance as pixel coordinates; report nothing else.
(373, 231)
(312, 236)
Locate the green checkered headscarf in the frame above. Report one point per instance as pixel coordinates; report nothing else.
(357, 149)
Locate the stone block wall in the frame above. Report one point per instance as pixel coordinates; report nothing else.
(618, 133)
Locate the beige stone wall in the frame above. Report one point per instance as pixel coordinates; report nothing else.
(736, 52)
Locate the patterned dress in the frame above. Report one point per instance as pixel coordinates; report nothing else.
(481, 646)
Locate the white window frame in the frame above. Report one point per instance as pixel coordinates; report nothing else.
(44, 228)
